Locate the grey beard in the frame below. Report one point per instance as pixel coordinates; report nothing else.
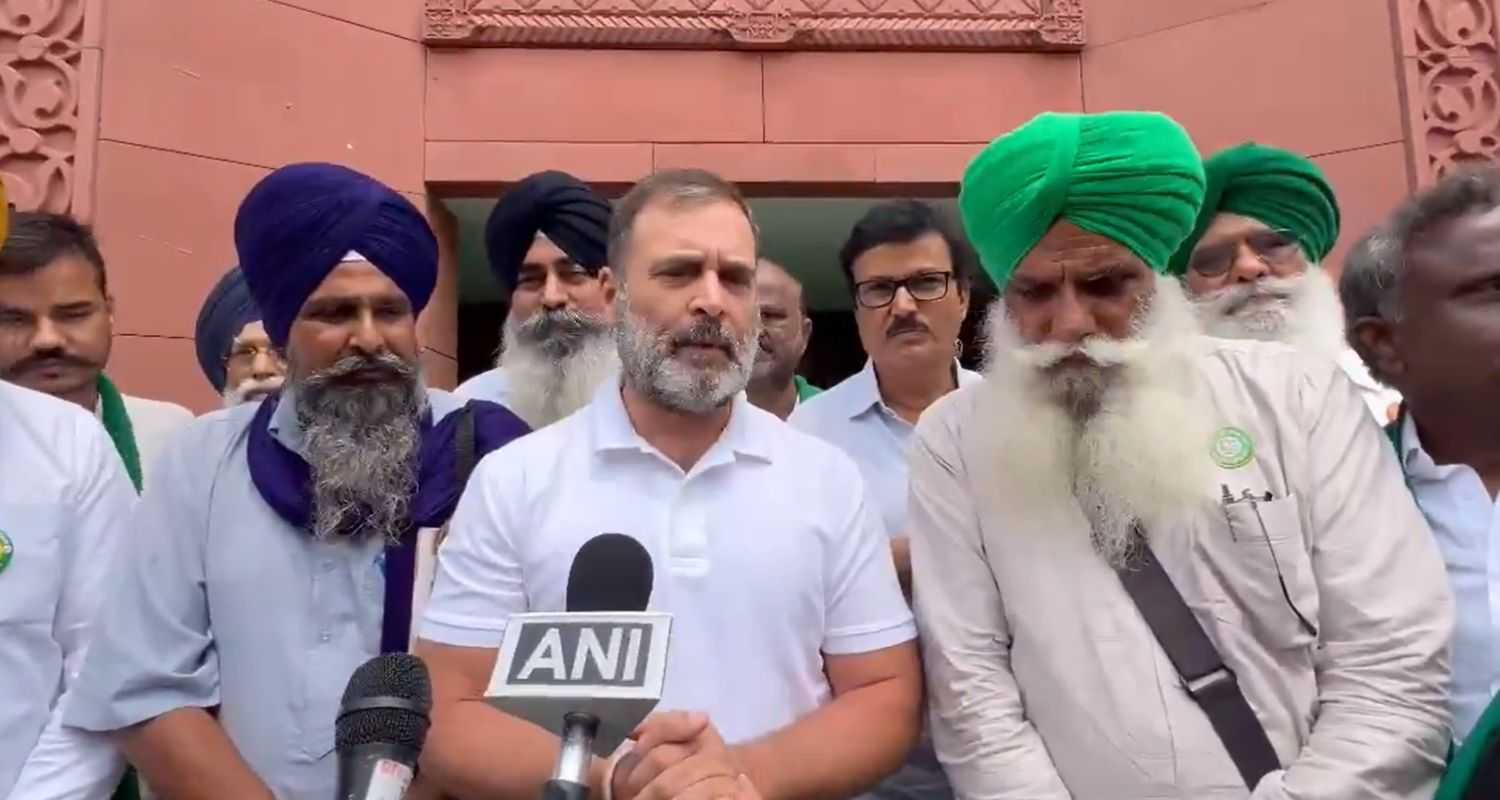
(650, 364)
(556, 334)
(361, 442)
(546, 384)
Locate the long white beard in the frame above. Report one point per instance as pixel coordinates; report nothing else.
(249, 390)
(1302, 311)
(1137, 456)
(545, 387)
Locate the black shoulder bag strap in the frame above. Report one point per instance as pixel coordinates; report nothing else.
(463, 442)
(1208, 680)
(465, 456)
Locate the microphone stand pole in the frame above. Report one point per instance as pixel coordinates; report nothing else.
(570, 781)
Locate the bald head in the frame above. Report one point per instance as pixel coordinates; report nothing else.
(785, 328)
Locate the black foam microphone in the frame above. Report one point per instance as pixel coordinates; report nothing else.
(611, 573)
(381, 727)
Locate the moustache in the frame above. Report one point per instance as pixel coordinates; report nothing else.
(1097, 351)
(47, 359)
(705, 334)
(906, 325)
(1232, 299)
(558, 323)
(383, 368)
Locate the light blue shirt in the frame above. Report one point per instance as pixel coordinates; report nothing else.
(217, 601)
(1465, 519)
(853, 417)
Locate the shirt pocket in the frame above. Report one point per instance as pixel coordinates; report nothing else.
(31, 580)
(1263, 575)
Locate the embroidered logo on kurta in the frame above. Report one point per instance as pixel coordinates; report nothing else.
(7, 549)
(1232, 448)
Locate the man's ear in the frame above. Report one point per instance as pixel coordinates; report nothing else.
(607, 282)
(1374, 339)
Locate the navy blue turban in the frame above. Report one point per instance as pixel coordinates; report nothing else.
(226, 311)
(552, 203)
(300, 221)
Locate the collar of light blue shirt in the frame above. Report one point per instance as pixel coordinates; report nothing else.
(865, 387)
(611, 429)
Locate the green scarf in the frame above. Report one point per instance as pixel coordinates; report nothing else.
(805, 390)
(117, 423)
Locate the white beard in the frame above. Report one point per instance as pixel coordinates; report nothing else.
(1305, 312)
(1138, 457)
(250, 390)
(545, 388)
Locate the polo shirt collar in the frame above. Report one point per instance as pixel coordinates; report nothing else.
(612, 429)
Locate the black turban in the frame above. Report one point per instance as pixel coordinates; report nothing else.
(226, 311)
(552, 203)
(302, 220)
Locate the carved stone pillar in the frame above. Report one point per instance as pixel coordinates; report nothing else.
(49, 76)
(1450, 54)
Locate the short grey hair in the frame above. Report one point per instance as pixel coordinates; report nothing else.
(678, 187)
(1373, 270)
(1367, 287)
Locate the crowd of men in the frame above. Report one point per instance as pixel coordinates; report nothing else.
(1206, 524)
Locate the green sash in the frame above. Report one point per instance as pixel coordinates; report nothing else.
(117, 424)
(804, 389)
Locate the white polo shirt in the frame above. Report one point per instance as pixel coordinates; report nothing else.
(767, 553)
(64, 501)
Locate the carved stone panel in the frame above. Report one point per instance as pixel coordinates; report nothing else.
(40, 58)
(1452, 54)
(762, 24)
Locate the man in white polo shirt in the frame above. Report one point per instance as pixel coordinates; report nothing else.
(789, 631)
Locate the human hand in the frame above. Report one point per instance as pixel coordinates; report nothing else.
(674, 752)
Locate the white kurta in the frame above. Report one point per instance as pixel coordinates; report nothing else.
(64, 499)
(1046, 683)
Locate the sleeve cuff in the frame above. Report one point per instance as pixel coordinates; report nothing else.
(869, 638)
(461, 632)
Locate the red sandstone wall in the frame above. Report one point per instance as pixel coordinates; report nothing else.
(200, 100)
(1315, 76)
(824, 122)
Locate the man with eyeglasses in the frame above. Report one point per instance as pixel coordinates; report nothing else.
(234, 350)
(1251, 264)
(910, 275)
(57, 332)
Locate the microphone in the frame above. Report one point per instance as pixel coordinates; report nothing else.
(381, 727)
(592, 674)
(612, 572)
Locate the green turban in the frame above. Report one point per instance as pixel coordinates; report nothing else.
(1131, 176)
(1278, 188)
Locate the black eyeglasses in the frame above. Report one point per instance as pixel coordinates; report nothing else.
(923, 287)
(1274, 248)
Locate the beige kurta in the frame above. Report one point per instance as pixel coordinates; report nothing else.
(1046, 683)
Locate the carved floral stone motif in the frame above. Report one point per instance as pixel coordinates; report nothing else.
(1453, 91)
(772, 24)
(39, 76)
